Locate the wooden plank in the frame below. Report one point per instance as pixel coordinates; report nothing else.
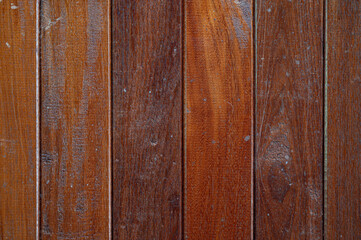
(75, 119)
(219, 116)
(147, 119)
(289, 120)
(343, 120)
(18, 153)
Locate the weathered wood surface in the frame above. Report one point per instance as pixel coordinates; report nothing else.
(343, 204)
(289, 120)
(219, 115)
(18, 154)
(75, 119)
(147, 119)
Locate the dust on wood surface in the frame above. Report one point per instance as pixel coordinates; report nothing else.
(75, 119)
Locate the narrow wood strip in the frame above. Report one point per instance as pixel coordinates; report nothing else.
(18, 119)
(289, 116)
(343, 120)
(75, 119)
(147, 119)
(219, 115)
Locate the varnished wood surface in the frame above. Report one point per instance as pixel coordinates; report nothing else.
(74, 119)
(163, 147)
(343, 219)
(289, 120)
(147, 119)
(18, 119)
(218, 129)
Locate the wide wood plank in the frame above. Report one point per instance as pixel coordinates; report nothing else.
(147, 119)
(75, 119)
(18, 154)
(289, 119)
(343, 120)
(219, 116)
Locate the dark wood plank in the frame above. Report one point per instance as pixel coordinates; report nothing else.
(343, 120)
(289, 119)
(75, 119)
(219, 115)
(18, 154)
(147, 120)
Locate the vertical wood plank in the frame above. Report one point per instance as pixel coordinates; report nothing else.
(343, 120)
(147, 119)
(289, 119)
(75, 119)
(219, 116)
(18, 119)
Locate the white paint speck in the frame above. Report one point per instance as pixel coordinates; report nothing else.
(287, 74)
(150, 91)
(124, 90)
(297, 62)
(7, 44)
(205, 99)
(13, 6)
(247, 138)
(269, 10)
(287, 157)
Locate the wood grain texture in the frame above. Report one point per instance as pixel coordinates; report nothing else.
(75, 119)
(147, 119)
(219, 115)
(18, 119)
(289, 120)
(343, 120)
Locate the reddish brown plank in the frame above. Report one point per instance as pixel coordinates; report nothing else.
(219, 114)
(75, 119)
(343, 120)
(289, 119)
(18, 154)
(147, 119)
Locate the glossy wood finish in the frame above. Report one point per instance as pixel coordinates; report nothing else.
(218, 129)
(18, 120)
(289, 120)
(75, 119)
(147, 120)
(343, 120)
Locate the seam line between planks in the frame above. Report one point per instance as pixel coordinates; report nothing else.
(254, 125)
(325, 53)
(184, 117)
(38, 120)
(110, 120)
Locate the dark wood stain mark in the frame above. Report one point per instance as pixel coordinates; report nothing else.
(343, 120)
(289, 120)
(147, 119)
